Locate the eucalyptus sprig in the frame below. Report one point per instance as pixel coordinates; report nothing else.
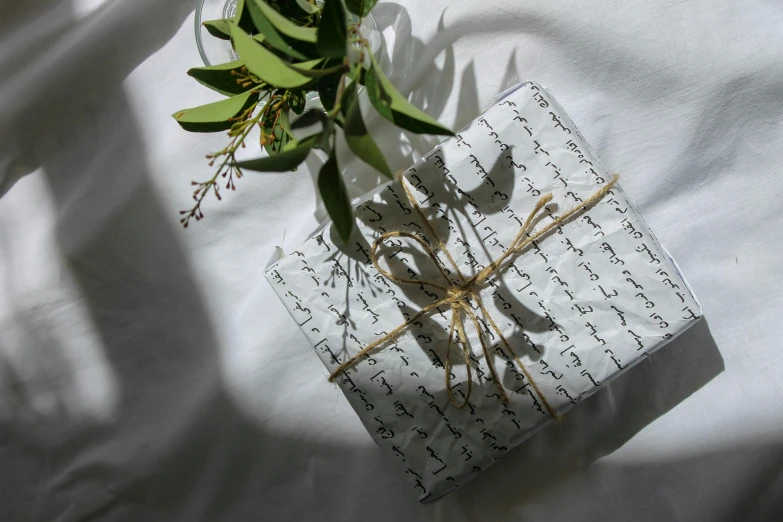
(287, 49)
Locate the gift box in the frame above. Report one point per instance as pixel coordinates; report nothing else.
(569, 312)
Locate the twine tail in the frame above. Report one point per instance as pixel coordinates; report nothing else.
(488, 356)
(552, 411)
(456, 320)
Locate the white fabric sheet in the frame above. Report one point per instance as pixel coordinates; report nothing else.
(149, 373)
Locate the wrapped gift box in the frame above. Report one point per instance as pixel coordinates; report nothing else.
(579, 307)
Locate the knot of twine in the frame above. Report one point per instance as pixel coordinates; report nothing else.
(458, 293)
(459, 297)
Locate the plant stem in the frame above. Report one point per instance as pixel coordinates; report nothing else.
(228, 153)
(338, 98)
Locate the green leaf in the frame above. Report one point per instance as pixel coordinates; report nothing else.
(326, 142)
(276, 127)
(261, 62)
(307, 7)
(311, 117)
(356, 136)
(242, 17)
(311, 68)
(360, 8)
(297, 101)
(293, 11)
(285, 123)
(393, 106)
(283, 161)
(335, 197)
(362, 76)
(327, 90)
(284, 25)
(332, 31)
(271, 36)
(378, 97)
(219, 77)
(214, 116)
(315, 68)
(219, 28)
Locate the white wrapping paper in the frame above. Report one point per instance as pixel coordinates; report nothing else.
(579, 307)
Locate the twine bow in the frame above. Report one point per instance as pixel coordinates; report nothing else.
(460, 296)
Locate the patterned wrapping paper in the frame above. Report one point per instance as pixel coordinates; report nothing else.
(579, 307)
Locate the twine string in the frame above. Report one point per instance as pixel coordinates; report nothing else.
(459, 297)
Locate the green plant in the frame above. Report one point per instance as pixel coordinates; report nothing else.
(287, 49)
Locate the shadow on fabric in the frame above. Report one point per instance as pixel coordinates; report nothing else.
(667, 487)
